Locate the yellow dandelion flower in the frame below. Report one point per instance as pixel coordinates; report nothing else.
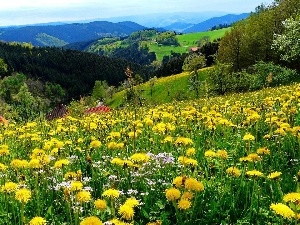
(4, 150)
(292, 197)
(19, 164)
(76, 185)
(210, 154)
(23, 195)
(254, 173)
(179, 181)
(2, 167)
(254, 157)
(263, 151)
(190, 151)
(157, 222)
(126, 212)
(248, 137)
(184, 204)
(131, 202)
(140, 157)
(95, 144)
(183, 141)
(61, 163)
(222, 154)
(9, 187)
(274, 175)
(38, 221)
(233, 171)
(112, 145)
(92, 220)
(193, 185)
(187, 195)
(282, 210)
(245, 159)
(111, 193)
(100, 204)
(83, 196)
(70, 176)
(35, 164)
(167, 139)
(172, 194)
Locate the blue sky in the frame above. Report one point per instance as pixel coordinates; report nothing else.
(17, 12)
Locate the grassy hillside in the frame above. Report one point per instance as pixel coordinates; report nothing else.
(165, 89)
(224, 160)
(186, 42)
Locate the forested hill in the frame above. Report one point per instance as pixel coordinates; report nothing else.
(61, 35)
(74, 71)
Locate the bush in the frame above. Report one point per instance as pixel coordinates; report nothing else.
(270, 75)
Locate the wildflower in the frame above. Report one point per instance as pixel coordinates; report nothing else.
(76, 185)
(263, 151)
(140, 157)
(111, 193)
(274, 175)
(172, 194)
(187, 195)
(126, 212)
(19, 164)
(179, 181)
(292, 197)
(210, 154)
(157, 222)
(254, 157)
(190, 151)
(183, 141)
(233, 171)
(248, 137)
(187, 161)
(167, 139)
(35, 164)
(245, 159)
(282, 210)
(132, 202)
(38, 221)
(100, 204)
(70, 176)
(92, 220)
(4, 150)
(2, 167)
(95, 144)
(60, 163)
(9, 187)
(254, 173)
(83, 196)
(23, 195)
(222, 154)
(193, 185)
(184, 204)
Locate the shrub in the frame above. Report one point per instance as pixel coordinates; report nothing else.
(269, 74)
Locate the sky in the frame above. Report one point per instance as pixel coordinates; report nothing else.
(20, 12)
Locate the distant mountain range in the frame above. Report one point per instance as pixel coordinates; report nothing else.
(208, 24)
(60, 34)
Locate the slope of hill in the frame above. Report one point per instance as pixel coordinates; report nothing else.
(206, 25)
(163, 90)
(186, 41)
(60, 35)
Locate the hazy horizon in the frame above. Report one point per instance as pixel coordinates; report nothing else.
(17, 12)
